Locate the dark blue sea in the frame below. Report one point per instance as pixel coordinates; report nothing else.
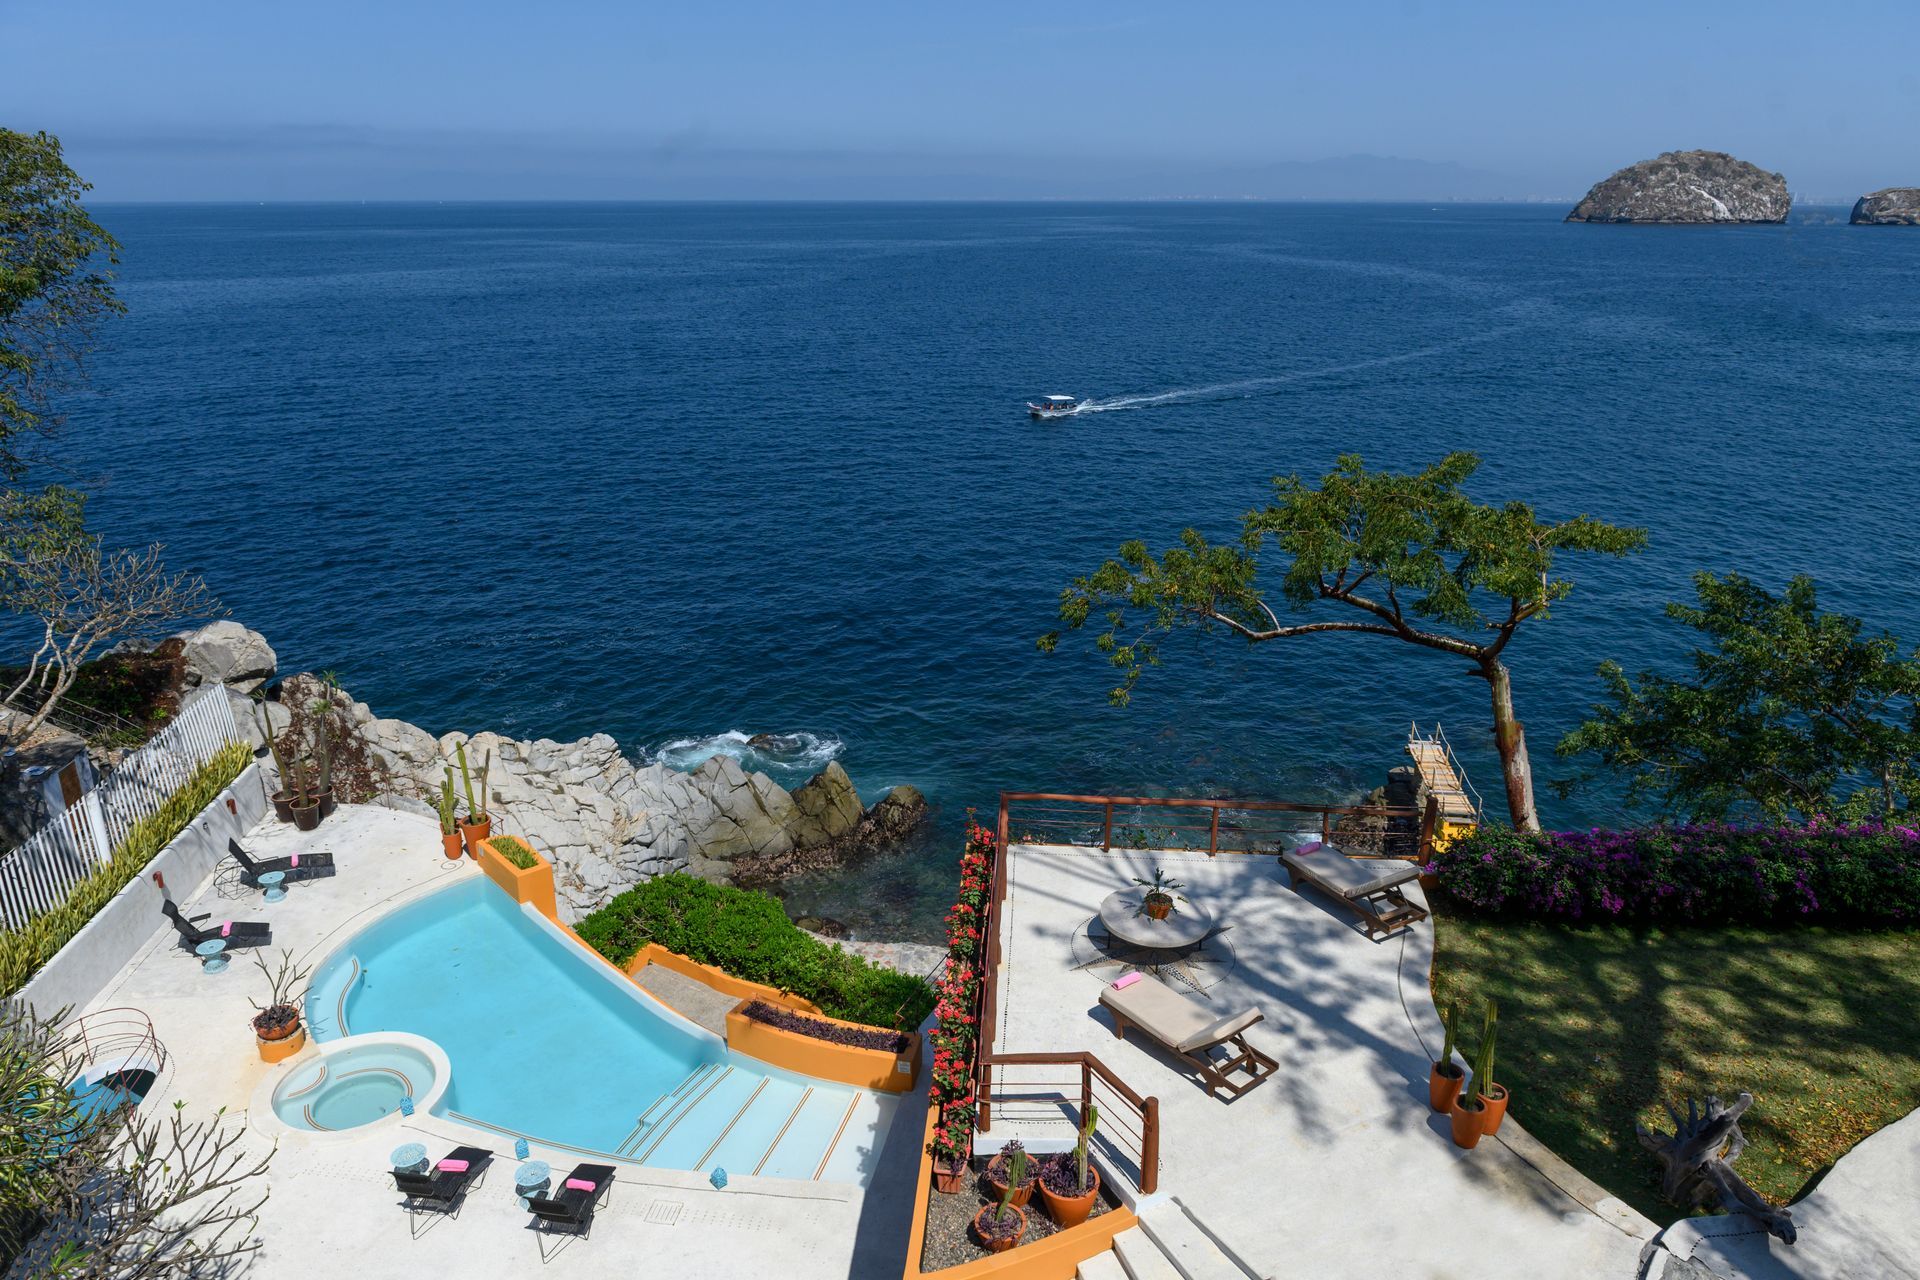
(684, 473)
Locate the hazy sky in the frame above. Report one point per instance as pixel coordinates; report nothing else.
(617, 98)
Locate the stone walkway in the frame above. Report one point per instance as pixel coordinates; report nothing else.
(916, 958)
(690, 998)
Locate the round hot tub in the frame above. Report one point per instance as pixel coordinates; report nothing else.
(358, 1080)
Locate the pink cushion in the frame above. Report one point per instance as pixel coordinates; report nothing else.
(1309, 848)
(454, 1166)
(1125, 980)
(294, 861)
(579, 1184)
(226, 928)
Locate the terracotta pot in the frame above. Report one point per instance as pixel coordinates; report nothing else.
(283, 805)
(450, 845)
(474, 832)
(284, 1047)
(1467, 1124)
(997, 1179)
(1443, 1088)
(1157, 908)
(1071, 1211)
(306, 816)
(1496, 1100)
(325, 800)
(1002, 1243)
(949, 1179)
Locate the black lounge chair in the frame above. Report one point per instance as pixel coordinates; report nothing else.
(311, 866)
(238, 933)
(569, 1208)
(442, 1190)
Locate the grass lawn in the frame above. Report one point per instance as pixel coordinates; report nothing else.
(1599, 1026)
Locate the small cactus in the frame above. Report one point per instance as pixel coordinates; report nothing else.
(449, 824)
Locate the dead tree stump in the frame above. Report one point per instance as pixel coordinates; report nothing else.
(1698, 1158)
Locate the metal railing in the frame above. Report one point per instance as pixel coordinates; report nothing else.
(37, 876)
(1468, 793)
(1035, 1089)
(117, 1035)
(1215, 826)
(81, 720)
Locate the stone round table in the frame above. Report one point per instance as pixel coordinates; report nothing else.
(1187, 926)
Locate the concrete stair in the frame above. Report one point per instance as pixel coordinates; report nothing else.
(1141, 1258)
(1105, 1266)
(1181, 1241)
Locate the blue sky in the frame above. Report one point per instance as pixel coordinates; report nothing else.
(604, 99)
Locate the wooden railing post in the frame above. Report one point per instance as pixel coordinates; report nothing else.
(1106, 833)
(1150, 1147)
(1429, 822)
(1213, 834)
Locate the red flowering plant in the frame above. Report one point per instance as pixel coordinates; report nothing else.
(955, 1038)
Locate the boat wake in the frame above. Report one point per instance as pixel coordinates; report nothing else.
(1263, 386)
(789, 754)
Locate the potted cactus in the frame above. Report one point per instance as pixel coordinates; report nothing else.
(1469, 1114)
(479, 823)
(1446, 1076)
(1069, 1183)
(304, 803)
(278, 1031)
(449, 820)
(283, 798)
(1158, 902)
(1493, 1091)
(999, 1227)
(1003, 1180)
(322, 711)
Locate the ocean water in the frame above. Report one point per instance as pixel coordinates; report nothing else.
(686, 474)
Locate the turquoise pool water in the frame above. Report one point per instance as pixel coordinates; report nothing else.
(546, 1042)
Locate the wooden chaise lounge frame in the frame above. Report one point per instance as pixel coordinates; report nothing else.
(1368, 887)
(1192, 1032)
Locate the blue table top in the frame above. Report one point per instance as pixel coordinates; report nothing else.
(211, 947)
(271, 878)
(407, 1155)
(533, 1171)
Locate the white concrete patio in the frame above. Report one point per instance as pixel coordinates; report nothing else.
(1334, 1166)
(333, 1208)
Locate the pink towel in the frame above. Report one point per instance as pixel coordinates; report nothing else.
(226, 928)
(454, 1166)
(1125, 980)
(579, 1184)
(294, 861)
(1309, 848)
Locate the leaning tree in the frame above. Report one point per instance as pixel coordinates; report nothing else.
(1412, 558)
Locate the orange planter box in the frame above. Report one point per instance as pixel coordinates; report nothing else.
(534, 885)
(843, 1064)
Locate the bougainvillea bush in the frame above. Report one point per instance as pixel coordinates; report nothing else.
(1865, 874)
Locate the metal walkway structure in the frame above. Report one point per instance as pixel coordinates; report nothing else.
(1441, 772)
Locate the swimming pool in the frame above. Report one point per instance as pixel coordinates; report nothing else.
(546, 1042)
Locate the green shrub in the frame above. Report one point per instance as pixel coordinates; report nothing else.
(515, 850)
(24, 951)
(748, 935)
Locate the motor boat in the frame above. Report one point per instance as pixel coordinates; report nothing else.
(1054, 406)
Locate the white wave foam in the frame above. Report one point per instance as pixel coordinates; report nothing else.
(1256, 386)
(790, 753)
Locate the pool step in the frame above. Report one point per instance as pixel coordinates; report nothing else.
(744, 1121)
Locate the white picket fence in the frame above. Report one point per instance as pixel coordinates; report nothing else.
(38, 876)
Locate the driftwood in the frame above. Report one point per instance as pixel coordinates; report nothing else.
(1699, 1157)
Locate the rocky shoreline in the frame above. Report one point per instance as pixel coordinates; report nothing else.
(606, 823)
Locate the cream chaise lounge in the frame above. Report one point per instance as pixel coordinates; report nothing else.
(1368, 887)
(1191, 1030)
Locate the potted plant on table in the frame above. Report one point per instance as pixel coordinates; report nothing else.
(1446, 1076)
(449, 821)
(1068, 1182)
(1160, 895)
(479, 823)
(278, 1031)
(999, 1227)
(1002, 1175)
